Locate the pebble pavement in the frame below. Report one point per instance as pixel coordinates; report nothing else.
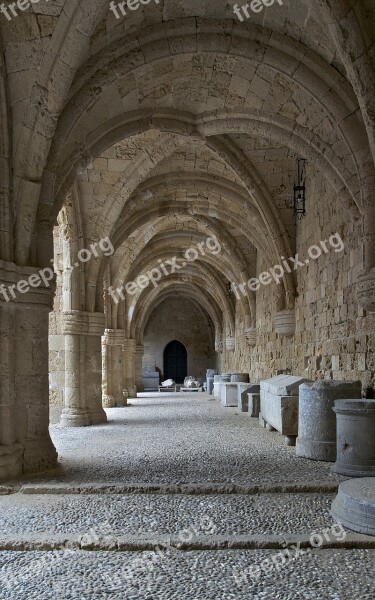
(163, 440)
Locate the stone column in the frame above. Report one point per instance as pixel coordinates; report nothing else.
(25, 443)
(366, 278)
(139, 352)
(113, 367)
(83, 369)
(129, 349)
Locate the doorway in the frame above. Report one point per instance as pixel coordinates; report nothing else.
(175, 362)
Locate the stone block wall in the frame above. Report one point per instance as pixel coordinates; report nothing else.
(180, 319)
(334, 338)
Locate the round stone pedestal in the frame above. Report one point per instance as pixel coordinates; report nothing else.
(317, 420)
(354, 505)
(355, 438)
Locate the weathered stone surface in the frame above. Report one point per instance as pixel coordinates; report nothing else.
(279, 404)
(243, 389)
(254, 405)
(355, 437)
(239, 377)
(316, 417)
(228, 394)
(354, 505)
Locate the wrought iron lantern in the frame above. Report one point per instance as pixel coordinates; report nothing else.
(299, 207)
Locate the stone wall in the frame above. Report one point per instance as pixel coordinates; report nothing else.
(334, 338)
(180, 319)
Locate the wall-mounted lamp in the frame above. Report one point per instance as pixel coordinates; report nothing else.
(299, 207)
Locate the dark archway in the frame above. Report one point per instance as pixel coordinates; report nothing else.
(175, 361)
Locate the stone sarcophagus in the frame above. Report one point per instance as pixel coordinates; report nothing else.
(279, 405)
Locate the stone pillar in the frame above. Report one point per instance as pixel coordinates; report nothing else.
(113, 367)
(25, 443)
(83, 369)
(139, 352)
(129, 349)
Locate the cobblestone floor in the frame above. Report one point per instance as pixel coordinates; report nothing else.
(182, 438)
(67, 535)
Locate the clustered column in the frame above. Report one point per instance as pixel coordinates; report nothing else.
(83, 369)
(139, 352)
(129, 349)
(25, 443)
(113, 367)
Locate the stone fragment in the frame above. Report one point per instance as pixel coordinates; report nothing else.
(317, 420)
(354, 505)
(228, 394)
(279, 404)
(355, 437)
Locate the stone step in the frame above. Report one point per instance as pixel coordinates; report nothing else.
(165, 575)
(324, 538)
(170, 488)
(148, 515)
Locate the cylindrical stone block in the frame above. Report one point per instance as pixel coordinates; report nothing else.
(239, 378)
(354, 505)
(355, 438)
(316, 418)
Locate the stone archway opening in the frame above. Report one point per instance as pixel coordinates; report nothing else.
(175, 361)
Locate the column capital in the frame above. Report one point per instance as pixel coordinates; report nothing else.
(129, 345)
(27, 285)
(113, 337)
(76, 322)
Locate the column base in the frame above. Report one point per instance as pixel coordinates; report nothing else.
(11, 461)
(98, 416)
(108, 401)
(132, 391)
(73, 417)
(39, 455)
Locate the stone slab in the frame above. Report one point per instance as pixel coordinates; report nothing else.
(228, 394)
(283, 385)
(280, 411)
